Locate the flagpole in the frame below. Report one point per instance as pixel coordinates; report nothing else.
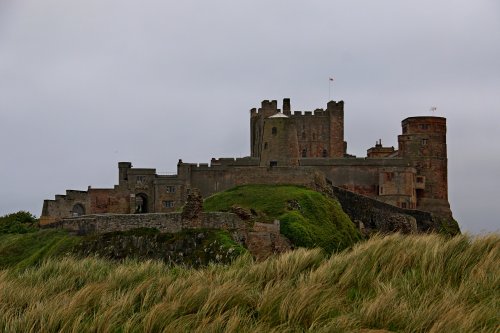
(330, 80)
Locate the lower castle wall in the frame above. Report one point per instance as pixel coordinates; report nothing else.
(377, 215)
(165, 222)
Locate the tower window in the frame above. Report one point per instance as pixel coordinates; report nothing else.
(168, 204)
(274, 130)
(424, 142)
(304, 153)
(265, 145)
(325, 153)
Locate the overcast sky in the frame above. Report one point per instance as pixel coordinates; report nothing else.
(87, 83)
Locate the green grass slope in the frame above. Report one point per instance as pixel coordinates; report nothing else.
(191, 247)
(308, 218)
(27, 249)
(424, 283)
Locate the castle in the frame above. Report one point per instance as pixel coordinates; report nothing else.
(286, 148)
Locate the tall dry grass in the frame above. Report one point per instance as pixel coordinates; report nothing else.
(396, 283)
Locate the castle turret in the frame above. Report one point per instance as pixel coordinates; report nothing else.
(279, 142)
(338, 146)
(287, 110)
(123, 168)
(423, 142)
(267, 109)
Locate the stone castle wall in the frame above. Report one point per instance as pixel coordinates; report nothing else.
(377, 216)
(164, 222)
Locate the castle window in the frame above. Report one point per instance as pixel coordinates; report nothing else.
(304, 153)
(265, 145)
(403, 205)
(424, 126)
(168, 204)
(325, 153)
(274, 130)
(273, 163)
(389, 176)
(141, 179)
(170, 189)
(424, 142)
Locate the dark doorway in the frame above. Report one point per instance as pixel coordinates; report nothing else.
(78, 210)
(141, 203)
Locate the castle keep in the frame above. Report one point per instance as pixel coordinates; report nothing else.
(286, 148)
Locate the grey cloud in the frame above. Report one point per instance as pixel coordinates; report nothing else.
(85, 84)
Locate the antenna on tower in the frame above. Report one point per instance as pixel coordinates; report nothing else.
(433, 109)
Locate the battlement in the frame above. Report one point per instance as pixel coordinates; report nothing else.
(240, 161)
(424, 125)
(269, 108)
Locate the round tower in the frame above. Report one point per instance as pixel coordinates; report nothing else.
(423, 143)
(267, 109)
(280, 146)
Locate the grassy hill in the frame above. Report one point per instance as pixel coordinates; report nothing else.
(308, 218)
(397, 283)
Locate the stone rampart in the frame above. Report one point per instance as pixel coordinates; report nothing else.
(377, 216)
(164, 222)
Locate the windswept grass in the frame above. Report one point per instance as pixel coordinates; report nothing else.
(396, 283)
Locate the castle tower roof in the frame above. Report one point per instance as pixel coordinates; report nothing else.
(279, 115)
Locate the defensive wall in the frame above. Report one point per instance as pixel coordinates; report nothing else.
(164, 222)
(377, 216)
(261, 239)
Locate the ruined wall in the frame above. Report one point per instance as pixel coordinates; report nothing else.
(265, 239)
(165, 222)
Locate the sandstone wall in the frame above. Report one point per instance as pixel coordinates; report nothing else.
(377, 216)
(165, 222)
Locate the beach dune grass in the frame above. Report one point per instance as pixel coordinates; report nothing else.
(423, 283)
